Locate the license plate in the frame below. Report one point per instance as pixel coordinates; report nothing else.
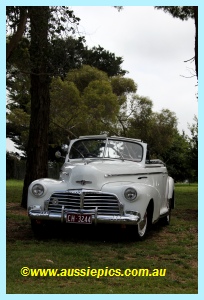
(79, 218)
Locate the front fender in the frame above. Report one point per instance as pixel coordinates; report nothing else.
(50, 186)
(144, 194)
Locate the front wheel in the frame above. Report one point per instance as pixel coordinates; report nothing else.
(142, 227)
(145, 224)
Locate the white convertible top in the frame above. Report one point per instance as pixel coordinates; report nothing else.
(106, 136)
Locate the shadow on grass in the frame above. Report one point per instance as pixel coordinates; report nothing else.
(19, 228)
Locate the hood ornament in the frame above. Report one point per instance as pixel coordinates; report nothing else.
(83, 182)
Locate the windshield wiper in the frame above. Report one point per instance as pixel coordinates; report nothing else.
(78, 152)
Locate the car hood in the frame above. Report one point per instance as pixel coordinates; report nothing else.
(95, 174)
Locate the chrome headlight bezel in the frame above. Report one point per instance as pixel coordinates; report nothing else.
(38, 190)
(130, 194)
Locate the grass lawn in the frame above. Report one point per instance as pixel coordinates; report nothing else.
(173, 248)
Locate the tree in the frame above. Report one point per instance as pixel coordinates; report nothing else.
(134, 118)
(103, 60)
(82, 103)
(176, 157)
(37, 151)
(18, 95)
(193, 155)
(42, 22)
(69, 53)
(184, 13)
(164, 126)
(65, 54)
(156, 128)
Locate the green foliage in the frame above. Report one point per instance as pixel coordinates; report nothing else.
(62, 20)
(177, 158)
(164, 127)
(157, 129)
(83, 76)
(181, 12)
(123, 87)
(193, 141)
(19, 62)
(65, 109)
(65, 54)
(81, 103)
(104, 61)
(70, 53)
(101, 102)
(18, 127)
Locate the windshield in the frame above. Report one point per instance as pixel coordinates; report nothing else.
(106, 148)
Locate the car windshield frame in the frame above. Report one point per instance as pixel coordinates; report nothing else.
(106, 148)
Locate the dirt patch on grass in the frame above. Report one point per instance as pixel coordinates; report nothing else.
(187, 214)
(16, 230)
(190, 214)
(16, 208)
(17, 223)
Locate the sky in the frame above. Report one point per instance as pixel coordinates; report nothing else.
(154, 46)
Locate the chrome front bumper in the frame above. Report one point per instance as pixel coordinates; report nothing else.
(130, 218)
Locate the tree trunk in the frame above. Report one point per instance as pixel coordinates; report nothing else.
(37, 152)
(195, 8)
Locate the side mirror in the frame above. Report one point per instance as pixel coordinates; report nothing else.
(58, 154)
(64, 147)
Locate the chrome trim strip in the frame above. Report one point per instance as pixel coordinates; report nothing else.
(96, 214)
(136, 174)
(81, 200)
(62, 214)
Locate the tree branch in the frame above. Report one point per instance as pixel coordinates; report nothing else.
(11, 46)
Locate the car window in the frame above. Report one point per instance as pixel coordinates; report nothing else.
(124, 150)
(110, 148)
(87, 148)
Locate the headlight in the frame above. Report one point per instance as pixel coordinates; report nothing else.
(38, 190)
(130, 194)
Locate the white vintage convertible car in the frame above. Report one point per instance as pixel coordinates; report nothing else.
(105, 180)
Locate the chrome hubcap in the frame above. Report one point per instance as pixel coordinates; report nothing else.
(142, 226)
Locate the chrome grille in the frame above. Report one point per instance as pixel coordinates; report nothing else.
(107, 204)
